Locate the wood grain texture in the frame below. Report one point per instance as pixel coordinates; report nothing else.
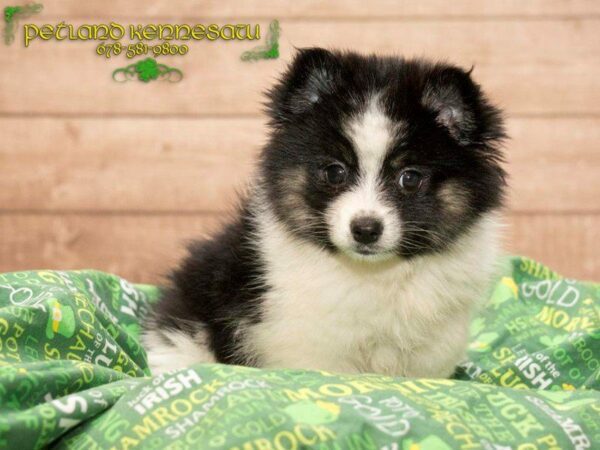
(320, 9)
(140, 248)
(554, 164)
(117, 176)
(530, 67)
(570, 244)
(126, 164)
(144, 247)
(189, 164)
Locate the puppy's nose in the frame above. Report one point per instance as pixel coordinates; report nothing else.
(366, 230)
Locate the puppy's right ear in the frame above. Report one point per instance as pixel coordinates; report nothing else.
(313, 74)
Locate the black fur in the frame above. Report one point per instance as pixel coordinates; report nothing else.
(451, 133)
(216, 286)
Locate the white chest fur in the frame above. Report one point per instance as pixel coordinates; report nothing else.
(394, 317)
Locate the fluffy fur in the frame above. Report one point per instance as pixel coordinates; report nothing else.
(367, 237)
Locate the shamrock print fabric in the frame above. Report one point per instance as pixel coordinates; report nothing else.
(538, 330)
(74, 375)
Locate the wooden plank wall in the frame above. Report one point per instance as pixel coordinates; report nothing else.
(117, 177)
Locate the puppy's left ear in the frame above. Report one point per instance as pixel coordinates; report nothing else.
(312, 75)
(461, 107)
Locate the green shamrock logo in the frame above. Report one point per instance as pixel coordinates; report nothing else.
(147, 69)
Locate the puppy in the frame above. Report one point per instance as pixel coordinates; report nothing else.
(367, 237)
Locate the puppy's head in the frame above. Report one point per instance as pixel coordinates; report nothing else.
(375, 157)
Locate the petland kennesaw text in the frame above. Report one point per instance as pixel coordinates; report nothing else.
(165, 32)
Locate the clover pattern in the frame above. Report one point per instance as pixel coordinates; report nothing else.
(147, 69)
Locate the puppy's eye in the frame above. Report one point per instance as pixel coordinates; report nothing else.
(411, 180)
(335, 174)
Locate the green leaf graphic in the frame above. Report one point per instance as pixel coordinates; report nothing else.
(271, 48)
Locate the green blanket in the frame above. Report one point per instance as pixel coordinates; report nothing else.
(73, 375)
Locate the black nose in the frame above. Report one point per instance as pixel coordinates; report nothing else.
(366, 230)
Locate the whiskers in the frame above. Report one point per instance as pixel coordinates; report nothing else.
(315, 227)
(417, 238)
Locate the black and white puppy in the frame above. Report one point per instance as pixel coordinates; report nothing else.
(367, 237)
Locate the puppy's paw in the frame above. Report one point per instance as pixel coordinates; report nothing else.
(170, 349)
